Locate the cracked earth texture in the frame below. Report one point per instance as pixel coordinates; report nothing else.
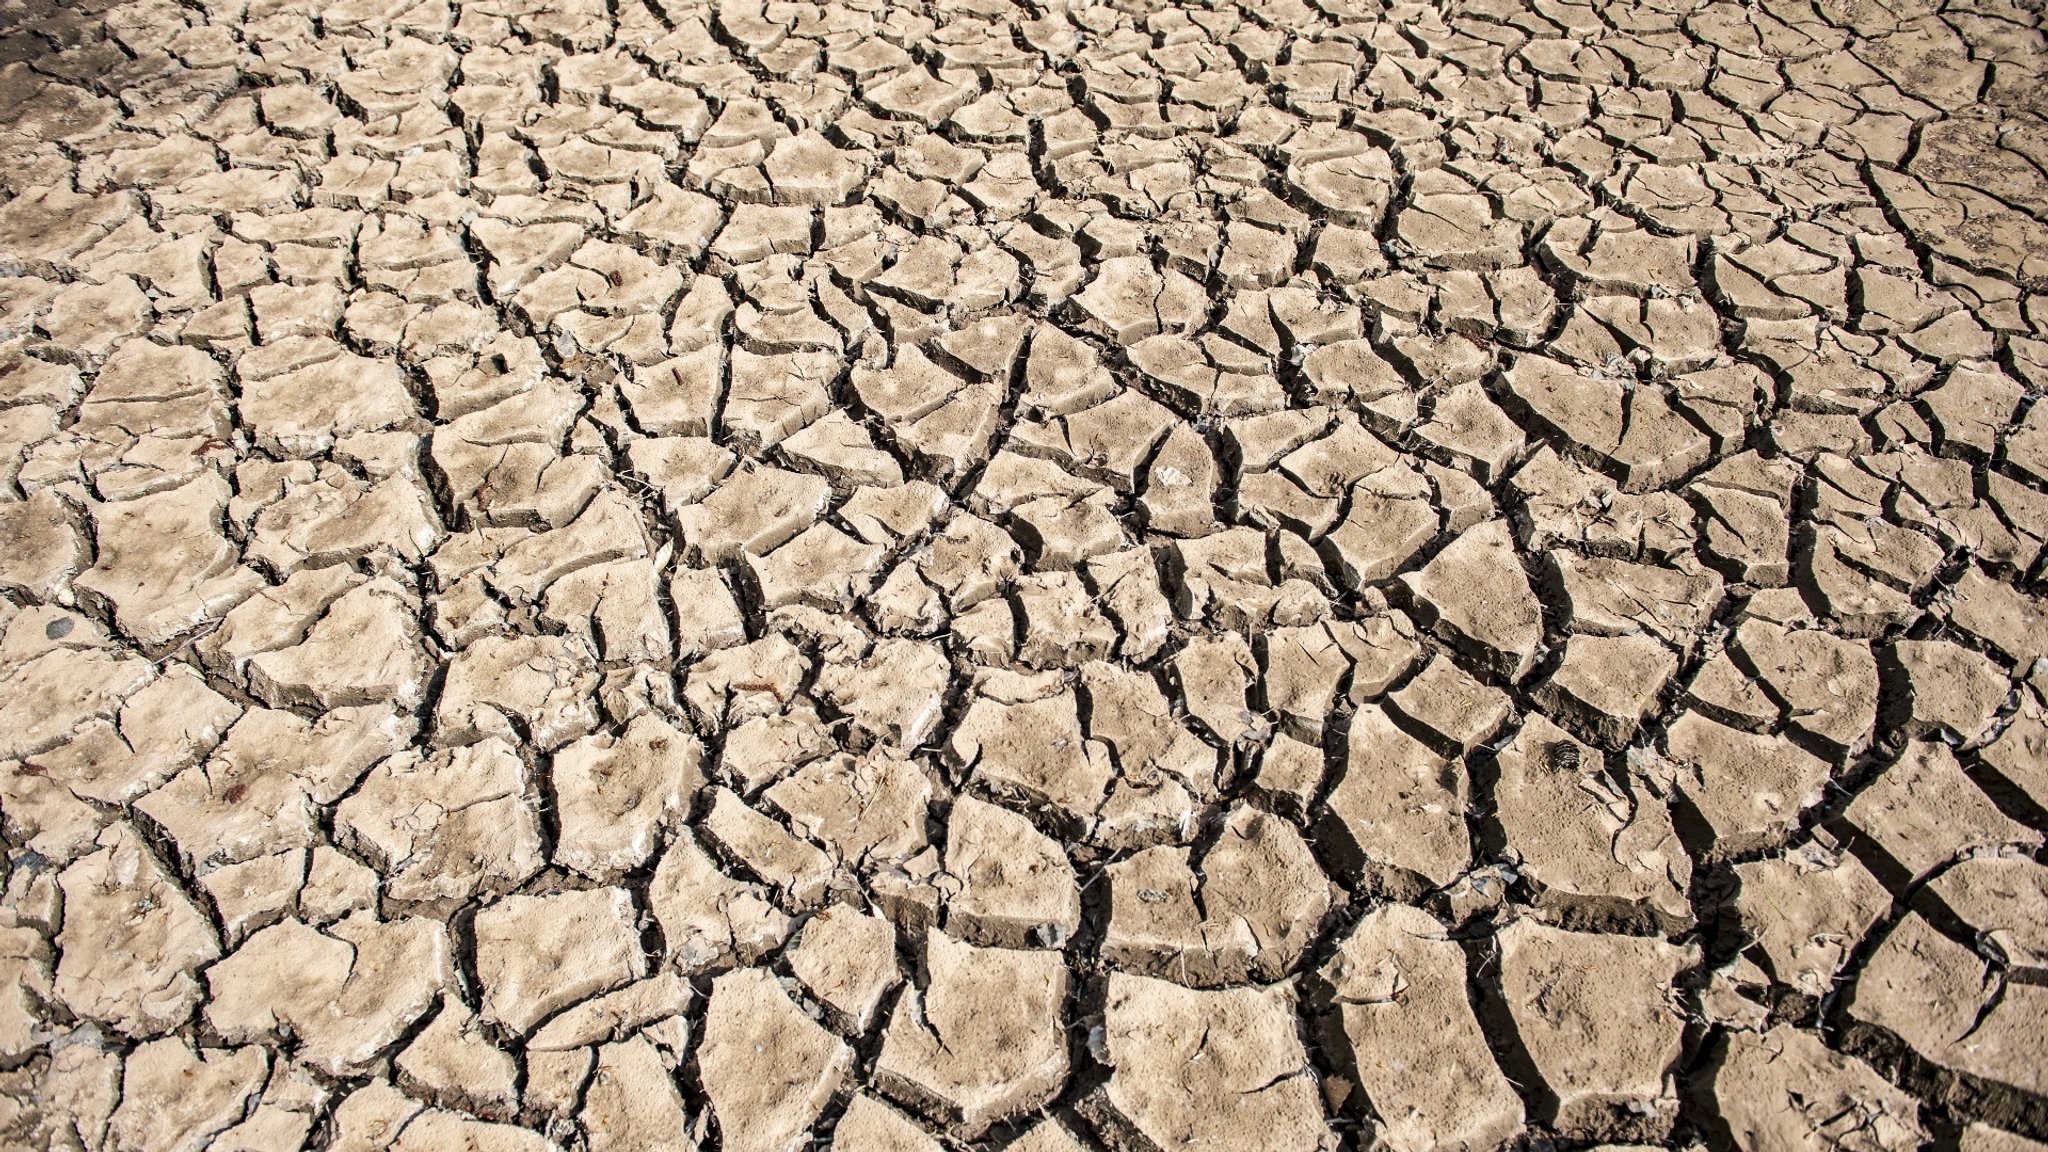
(630, 575)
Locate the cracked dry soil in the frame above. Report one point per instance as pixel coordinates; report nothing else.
(1280, 576)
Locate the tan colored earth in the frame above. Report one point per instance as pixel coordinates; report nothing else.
(1031, 575)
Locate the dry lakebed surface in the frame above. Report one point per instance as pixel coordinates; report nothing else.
(1023, 575)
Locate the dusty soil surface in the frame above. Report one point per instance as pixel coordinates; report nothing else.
(627, 575)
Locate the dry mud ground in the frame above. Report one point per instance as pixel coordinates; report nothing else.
(1276, 577)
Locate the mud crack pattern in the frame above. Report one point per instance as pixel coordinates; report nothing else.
(627, 574)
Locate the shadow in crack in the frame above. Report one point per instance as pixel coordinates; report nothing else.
(33, 29)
